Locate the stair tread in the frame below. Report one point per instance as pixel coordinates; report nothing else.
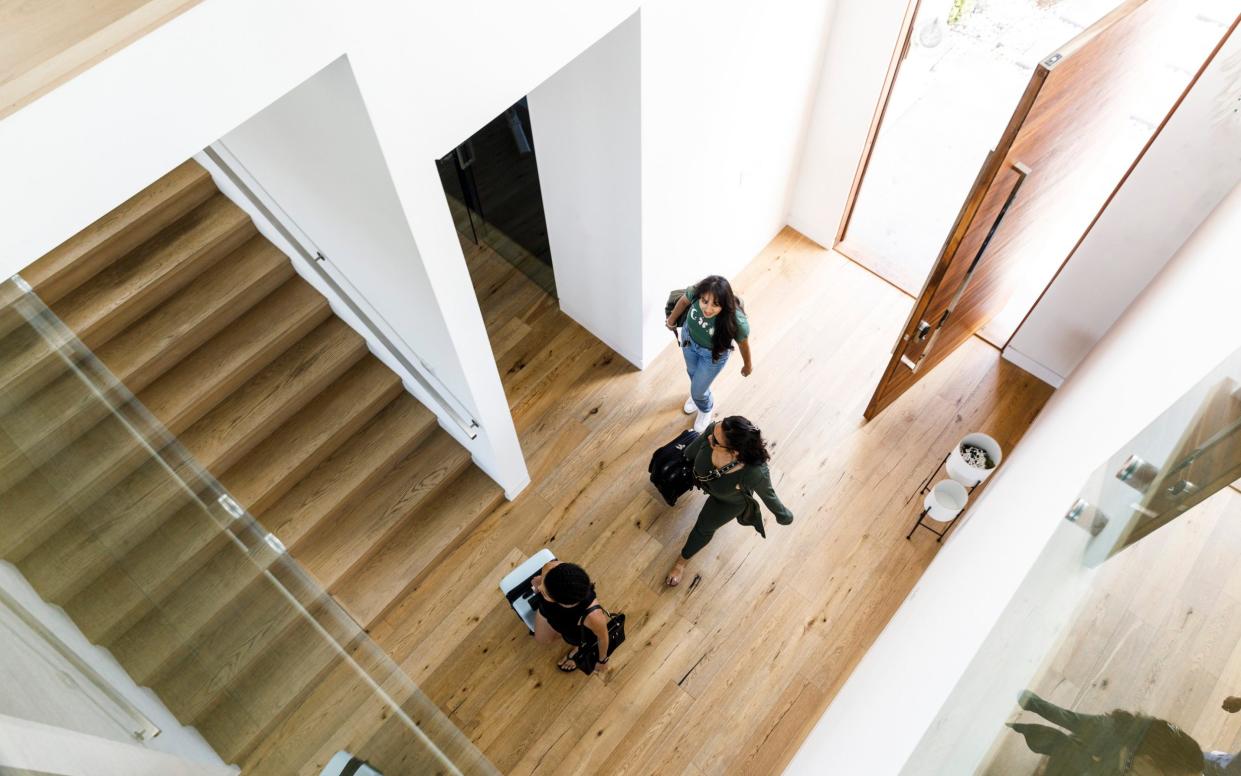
(428, 534)
(165, 630)
(49, 421)
(128, 288)
(245, 365)
(183, 394)
(122, 229)
(176, 544)
(289, 453)
(69, 406)
(28, 362)
(122, 594)
(224, 648)
(134, 508)
(194, 314)
(104, 531)
(335, 546)
(231, 428)
(305, 739)
(287, 672)
(358, 462)
(43, 501)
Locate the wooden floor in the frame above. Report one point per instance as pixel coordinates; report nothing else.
(1160, 633)
(45, 43)
(725, 674)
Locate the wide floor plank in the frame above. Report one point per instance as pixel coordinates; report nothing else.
(726, 673)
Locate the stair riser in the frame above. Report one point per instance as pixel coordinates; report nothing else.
(27, 522)
(185, 409)
(258, 500)
(193, 680)
(126, 228)
(24, 376)
(92, 544)
(80, 408)
(219, 456)
(118, 599)
(196, 327)
(176, 544)
(20, 382)
(236, 726)
(54, 509)
(117, 528)
(166, 634)
(177, 277)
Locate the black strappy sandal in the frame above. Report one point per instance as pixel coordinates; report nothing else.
(569, 663)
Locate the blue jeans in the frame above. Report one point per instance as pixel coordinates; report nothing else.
(702, 371)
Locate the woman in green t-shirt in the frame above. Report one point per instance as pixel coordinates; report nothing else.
(714, 320)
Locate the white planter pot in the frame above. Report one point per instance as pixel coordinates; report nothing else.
(945, 501)
(962, 472)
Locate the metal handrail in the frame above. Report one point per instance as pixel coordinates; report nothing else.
(387, 335)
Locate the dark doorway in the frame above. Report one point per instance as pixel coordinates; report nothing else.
(492, 184)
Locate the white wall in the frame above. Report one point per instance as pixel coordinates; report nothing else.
(91, 143)
(586, 125)
(1193, 163)
(727, 91)
(864, 34)
(32, 747)
(184, 742)
(891, 699)
(87, 146)
(314, 151)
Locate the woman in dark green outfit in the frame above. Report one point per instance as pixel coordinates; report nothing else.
(730, 464)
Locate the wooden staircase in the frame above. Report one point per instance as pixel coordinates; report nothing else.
(208, 326)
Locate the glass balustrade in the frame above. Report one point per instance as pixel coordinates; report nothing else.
(1118, 654)
(109, 517)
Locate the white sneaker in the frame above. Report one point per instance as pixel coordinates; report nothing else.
(702, 421)
(690, 408)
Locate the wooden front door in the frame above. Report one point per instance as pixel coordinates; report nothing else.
(1076, 133)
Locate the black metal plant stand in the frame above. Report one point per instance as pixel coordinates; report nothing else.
(926, 486)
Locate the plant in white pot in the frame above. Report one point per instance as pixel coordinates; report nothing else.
(973, 459)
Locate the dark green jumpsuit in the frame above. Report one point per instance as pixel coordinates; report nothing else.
(729, 497)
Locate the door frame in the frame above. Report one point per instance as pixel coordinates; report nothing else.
(899, 53)
(994, 160)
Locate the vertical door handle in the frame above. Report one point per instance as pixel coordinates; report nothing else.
(1022, 171)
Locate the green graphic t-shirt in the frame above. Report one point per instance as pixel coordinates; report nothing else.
(702, 329)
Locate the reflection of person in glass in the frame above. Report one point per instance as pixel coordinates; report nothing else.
(1118, 743)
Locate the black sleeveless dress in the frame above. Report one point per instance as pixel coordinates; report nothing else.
(564, 619)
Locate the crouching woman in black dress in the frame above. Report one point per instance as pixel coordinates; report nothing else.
(566, 604)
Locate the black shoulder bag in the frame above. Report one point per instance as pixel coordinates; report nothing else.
(587, 655)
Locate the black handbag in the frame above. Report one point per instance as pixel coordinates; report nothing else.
(671, 473)
(587, 655)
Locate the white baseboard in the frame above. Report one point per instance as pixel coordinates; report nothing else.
(1035, 368)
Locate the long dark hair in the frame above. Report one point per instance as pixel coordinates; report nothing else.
(726, 318)
(746, 440)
